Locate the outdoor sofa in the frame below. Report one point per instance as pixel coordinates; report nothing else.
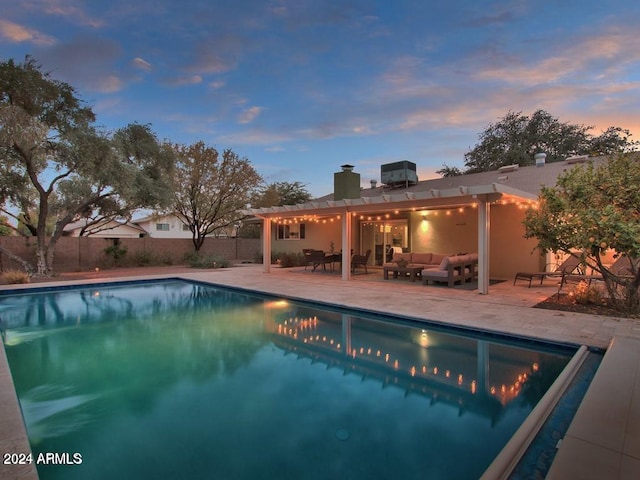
(426, 260)
(452, 269)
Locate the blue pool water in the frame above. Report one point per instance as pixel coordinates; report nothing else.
(180, 380)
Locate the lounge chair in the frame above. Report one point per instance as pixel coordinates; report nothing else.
(621, 268)
(360, 261)
(570, 265)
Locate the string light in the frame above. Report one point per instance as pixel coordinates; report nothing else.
(424, 211)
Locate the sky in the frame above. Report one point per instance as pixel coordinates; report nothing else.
(301, 87)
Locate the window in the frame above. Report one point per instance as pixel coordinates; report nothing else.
(162, 227)
(185, 228)
(293, 231)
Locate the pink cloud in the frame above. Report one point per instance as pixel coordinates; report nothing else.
(18, 34)
(249, 115)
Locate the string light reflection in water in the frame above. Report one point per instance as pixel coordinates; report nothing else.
(179, 380)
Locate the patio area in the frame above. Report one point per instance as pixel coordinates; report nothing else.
(604, 445)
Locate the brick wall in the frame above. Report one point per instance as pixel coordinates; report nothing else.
(85, 253)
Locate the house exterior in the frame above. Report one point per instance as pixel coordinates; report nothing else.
(104, 229)
(480, 213)
(156, 225)
(169, 225)
(166, 225)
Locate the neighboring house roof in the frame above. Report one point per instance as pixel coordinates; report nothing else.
(155, 217)
(104, 228)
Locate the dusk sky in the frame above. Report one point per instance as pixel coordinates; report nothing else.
(300, 87)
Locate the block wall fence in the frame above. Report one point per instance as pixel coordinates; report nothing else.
(74, 254)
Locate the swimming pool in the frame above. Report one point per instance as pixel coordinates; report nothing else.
(182, 380)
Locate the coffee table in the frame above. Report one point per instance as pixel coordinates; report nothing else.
(396, 269)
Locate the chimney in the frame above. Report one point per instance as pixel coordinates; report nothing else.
(346, 184)
(540, 159)
(374, 183)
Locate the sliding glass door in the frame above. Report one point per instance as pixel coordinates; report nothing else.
(380, 235)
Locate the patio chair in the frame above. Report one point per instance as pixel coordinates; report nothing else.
(570, 265)
(307, 256)
(360, 261)
(315, 258)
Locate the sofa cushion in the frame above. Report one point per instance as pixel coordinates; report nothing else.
(423, 258)
(436, 258)
(436, 273)
(444, 264)
(398, 256)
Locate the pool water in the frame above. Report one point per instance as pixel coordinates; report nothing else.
(180, 380)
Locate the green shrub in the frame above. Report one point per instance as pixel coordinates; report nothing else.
(15, 277)
(116, 253)
(196, 260)
(166, 259)
(143, 259)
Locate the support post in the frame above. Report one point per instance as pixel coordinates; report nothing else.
(346, 244)
(266, 244)
(484, 229)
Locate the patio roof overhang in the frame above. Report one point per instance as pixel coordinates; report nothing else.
(405, 200)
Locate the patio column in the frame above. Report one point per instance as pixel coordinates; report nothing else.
(346, 245)
(484, 229)
(266, 244)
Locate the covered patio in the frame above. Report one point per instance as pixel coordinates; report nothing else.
(350, 213)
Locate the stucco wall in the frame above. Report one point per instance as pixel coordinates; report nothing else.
(439, 232)
(509, 251)
(317, 236)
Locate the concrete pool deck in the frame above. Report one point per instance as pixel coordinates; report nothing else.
(602, 442)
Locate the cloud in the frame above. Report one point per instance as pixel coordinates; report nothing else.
(108, 84)
(249, 115)
(87, 62)
(605, 53)
(141, 64)
(69, 11)
(19, 34)
(217, 85)
(183, 81)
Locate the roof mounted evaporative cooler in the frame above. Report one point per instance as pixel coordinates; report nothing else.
(398, 174)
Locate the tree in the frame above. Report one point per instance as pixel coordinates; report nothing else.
(278, 194)
(56, 167)
(447, 171)
(5, 227)
(274, 194)
(211, 190)
(515, 138)
(592, 210)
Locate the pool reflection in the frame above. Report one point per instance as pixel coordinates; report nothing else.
(475, 374)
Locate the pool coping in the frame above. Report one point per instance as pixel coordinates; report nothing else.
(507, 460)
(13, 433)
